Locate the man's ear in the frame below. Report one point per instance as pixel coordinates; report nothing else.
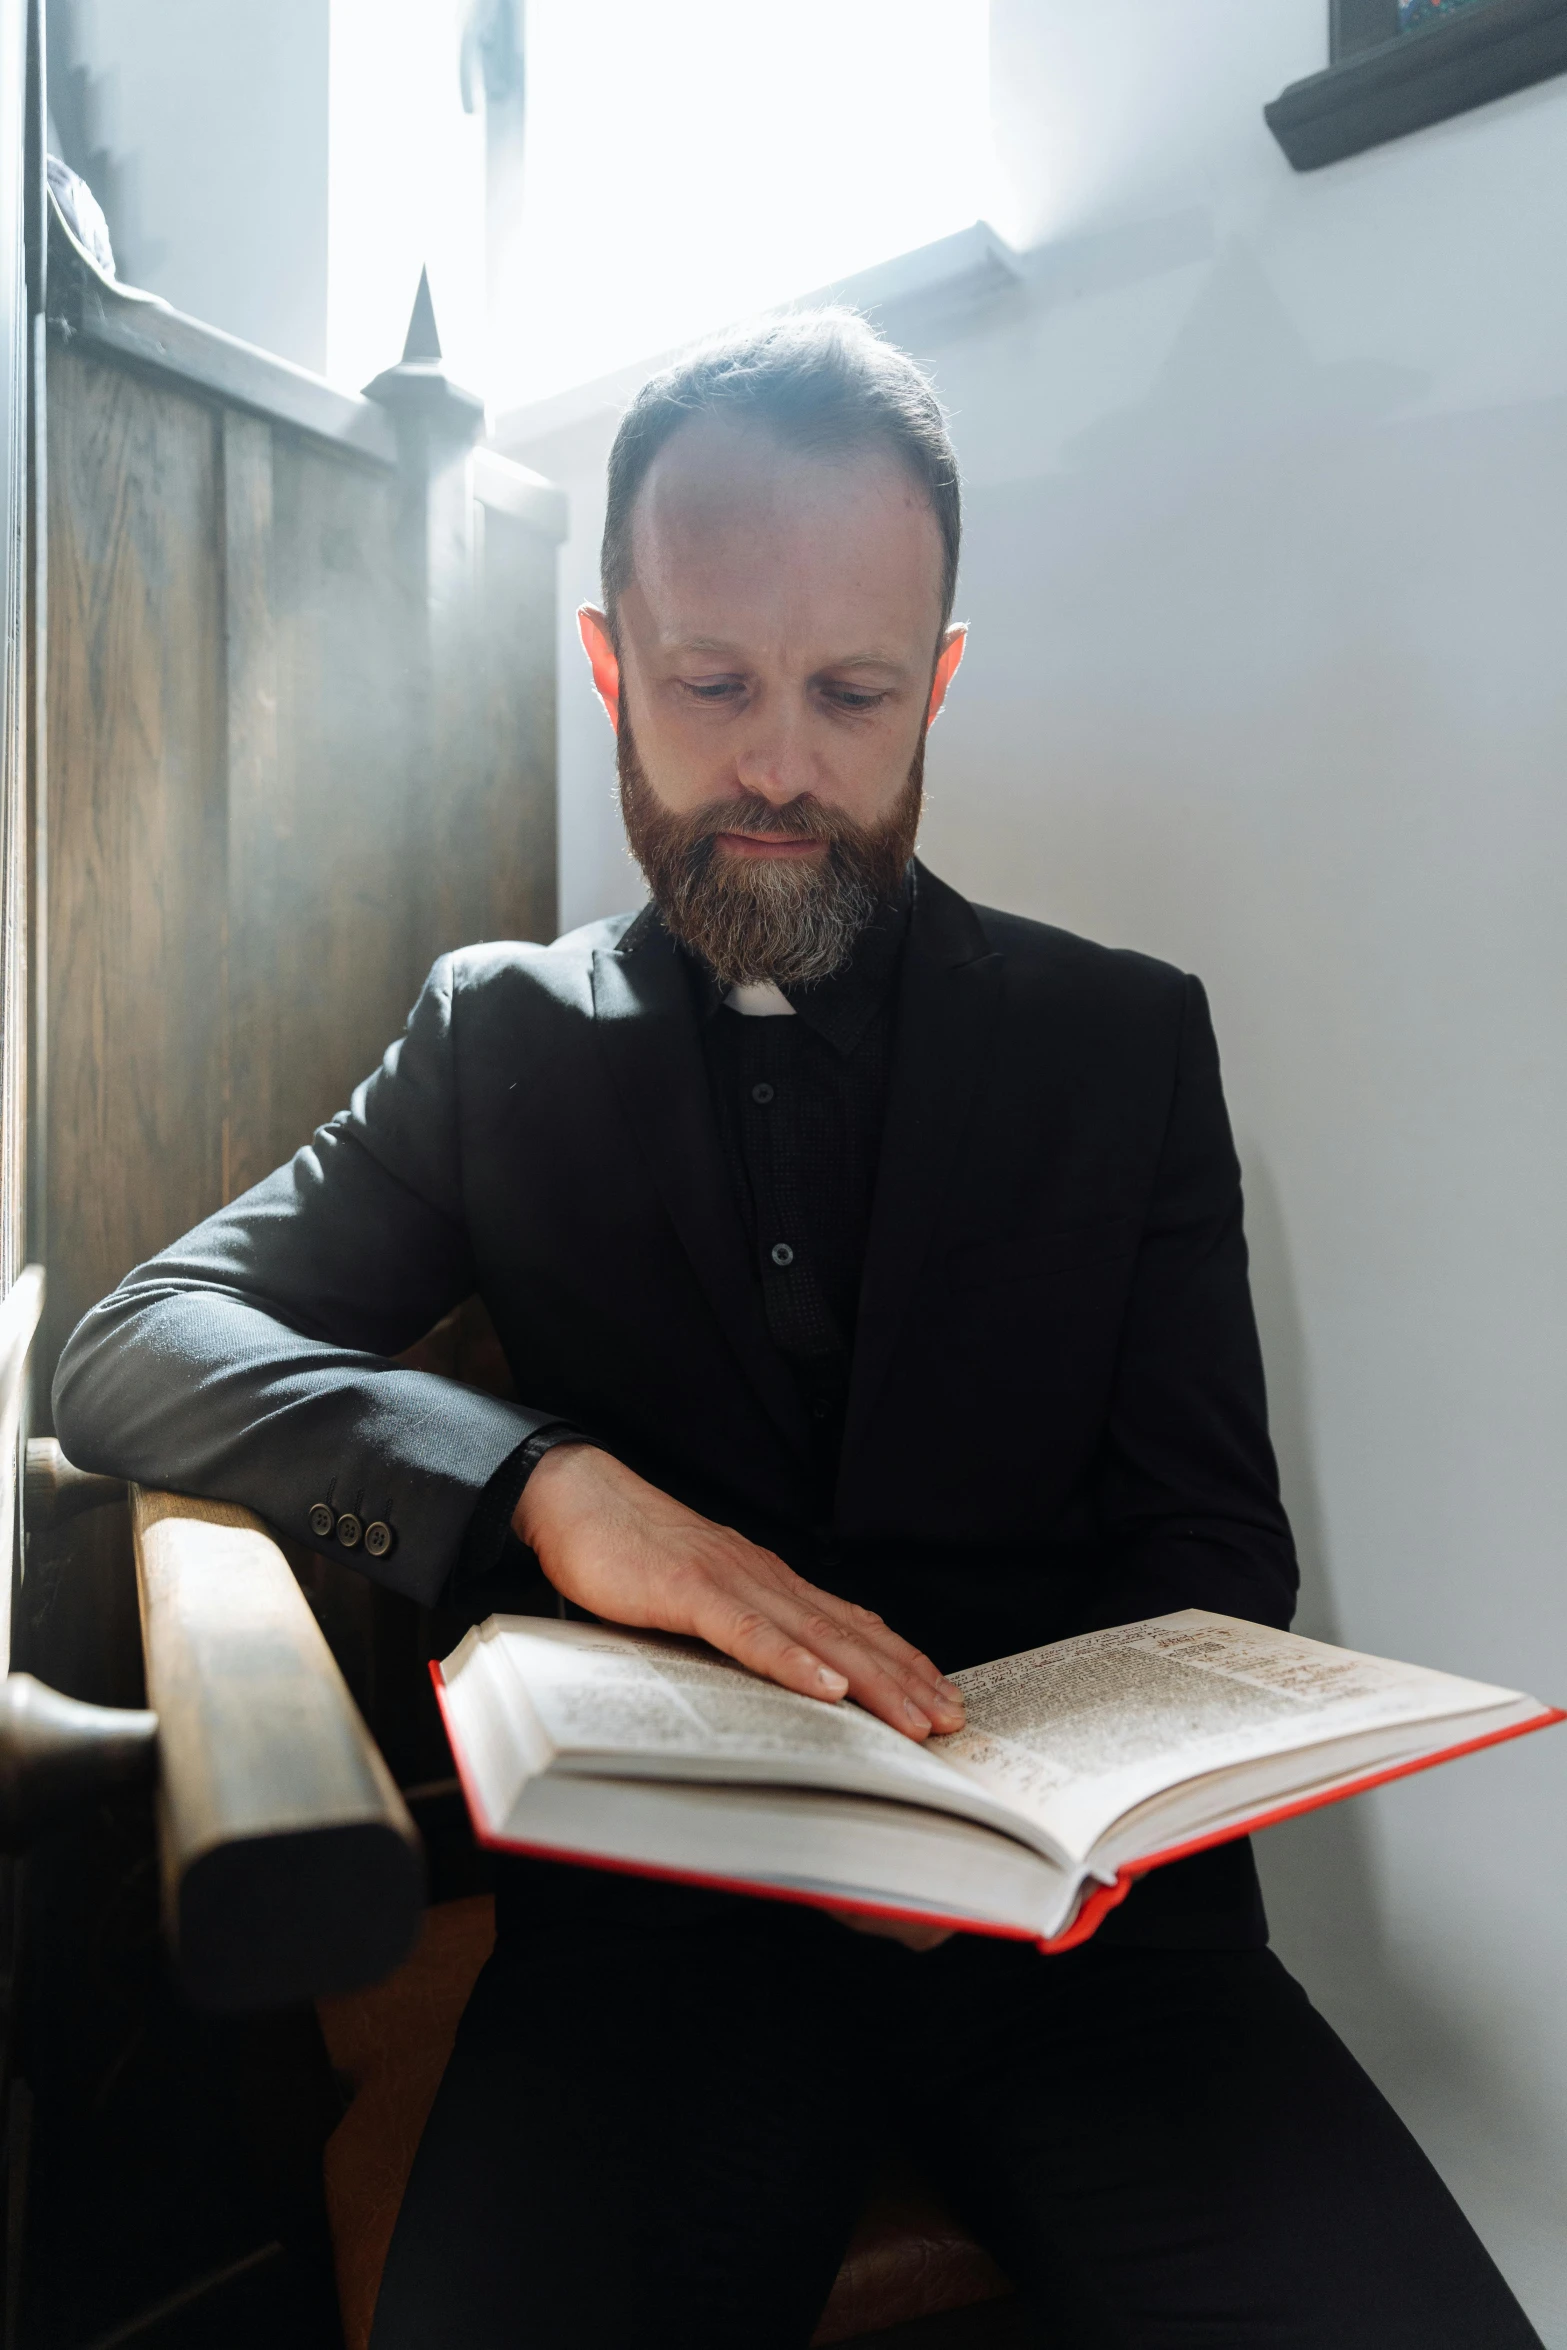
(593, 628)
(952, 643)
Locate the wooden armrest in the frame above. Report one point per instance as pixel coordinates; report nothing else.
(290, 1865)
(58, 1756)
(55, 1490)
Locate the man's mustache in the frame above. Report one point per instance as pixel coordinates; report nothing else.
(802, 818)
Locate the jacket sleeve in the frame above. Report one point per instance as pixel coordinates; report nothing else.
(248, 1362)
(1188, 1492)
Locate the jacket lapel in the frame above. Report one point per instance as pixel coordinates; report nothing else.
(646, 1025)
(949, 995)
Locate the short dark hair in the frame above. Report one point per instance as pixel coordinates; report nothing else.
(823, 381)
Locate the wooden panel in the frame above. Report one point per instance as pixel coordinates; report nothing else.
(502, 885)
(288, 770)
(325, 952)
(390, 797)
(290, 1864)
(136, 823)
(259, 808)
(13, 658)
(506, 487)
(19, 1315)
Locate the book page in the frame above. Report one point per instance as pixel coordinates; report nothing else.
(1075, 1734)
(645, 1705)
(846, 1848)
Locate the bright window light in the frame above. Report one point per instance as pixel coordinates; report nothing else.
(695, 160)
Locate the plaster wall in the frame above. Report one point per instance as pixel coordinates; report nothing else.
(203, 132)
(1267, 496)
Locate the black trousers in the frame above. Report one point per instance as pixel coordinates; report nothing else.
(663, 2105)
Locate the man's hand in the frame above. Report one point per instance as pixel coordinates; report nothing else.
(897, 1930)
(623, 1550)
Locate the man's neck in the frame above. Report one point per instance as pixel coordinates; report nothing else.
(759, 999)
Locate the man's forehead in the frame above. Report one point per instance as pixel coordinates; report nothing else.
(722, 647)
(815, 642)
(729, 511)
(720, 459)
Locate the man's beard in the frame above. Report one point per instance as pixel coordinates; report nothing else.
(790, 920)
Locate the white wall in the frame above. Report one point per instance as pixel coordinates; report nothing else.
(209, 123)
(1265, 562)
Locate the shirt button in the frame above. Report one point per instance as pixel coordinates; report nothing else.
(782, 1253)
(761, 1093)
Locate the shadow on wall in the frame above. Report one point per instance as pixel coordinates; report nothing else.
(1239, 376)
(1321, 1873)
(80, 101)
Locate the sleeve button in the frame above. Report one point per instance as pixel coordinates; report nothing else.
(378, 1539)
(349, 1530)
(321, 1519)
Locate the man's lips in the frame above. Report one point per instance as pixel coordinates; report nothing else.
(767, 844)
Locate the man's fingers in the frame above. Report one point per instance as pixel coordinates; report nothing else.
(752, 1638)
(905, 1657)
(884, 1642)
(866, 1632)
(884, 1681)
(806, 1650)
(884, 1673)
(902, 1930)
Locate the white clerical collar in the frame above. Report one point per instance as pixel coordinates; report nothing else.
(759, 999)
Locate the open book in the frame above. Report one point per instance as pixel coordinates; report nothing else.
(1082, 1765)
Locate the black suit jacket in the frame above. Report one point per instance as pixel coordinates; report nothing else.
(1056, 1417)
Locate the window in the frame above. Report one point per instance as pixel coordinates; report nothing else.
(688, 163)
(1357, 25)
(1400, 65)
(1418, 12)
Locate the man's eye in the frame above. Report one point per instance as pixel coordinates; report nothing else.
(853, 697)
(713, 689)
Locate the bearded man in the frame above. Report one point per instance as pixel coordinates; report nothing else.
(872, 1265)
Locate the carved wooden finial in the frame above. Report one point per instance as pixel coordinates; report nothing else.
(423, 341)
(418, 390)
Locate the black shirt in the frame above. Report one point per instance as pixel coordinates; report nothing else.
(800, 1104)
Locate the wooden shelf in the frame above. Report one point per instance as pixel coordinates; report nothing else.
(1418, 78)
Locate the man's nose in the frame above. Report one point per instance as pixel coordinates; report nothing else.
(777, 761)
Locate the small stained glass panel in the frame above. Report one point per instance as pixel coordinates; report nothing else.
(1418, 12)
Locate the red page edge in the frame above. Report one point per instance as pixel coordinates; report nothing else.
(1095, 1909)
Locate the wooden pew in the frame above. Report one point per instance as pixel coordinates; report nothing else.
(290, 1865)
(291, 1870)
